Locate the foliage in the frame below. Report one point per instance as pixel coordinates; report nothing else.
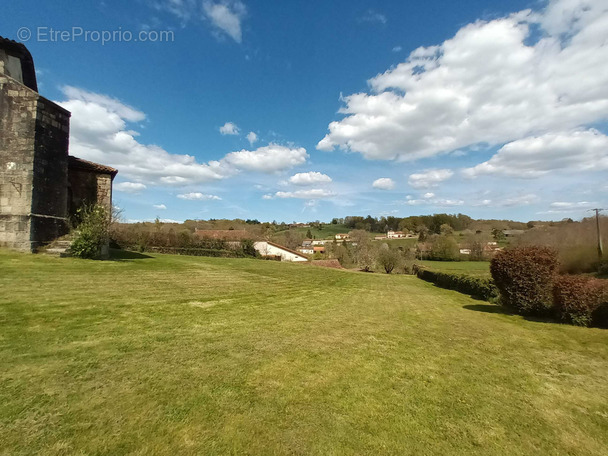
(479, 287)
(248, 248)
(363, 252)
(389, 259)
(92, 231)
(524, 276)
(578, 298)
(444, 248)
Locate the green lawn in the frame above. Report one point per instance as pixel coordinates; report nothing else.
(184, 355)
(476, 268)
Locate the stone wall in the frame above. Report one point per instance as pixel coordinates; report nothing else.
(89, 187)
(34, 136)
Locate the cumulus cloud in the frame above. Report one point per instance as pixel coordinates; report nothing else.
(571, 205)
(429, 178)
(100, 133)
(310, 178)
(129, 187)
(315, 193)
(535, 156)
(384, 183)
(197, 196)
(267, 159)
(122, 110)
(252, 137)
(429, 199)
(493, 83)
(226, 16)
(229, 128)
(161, 207)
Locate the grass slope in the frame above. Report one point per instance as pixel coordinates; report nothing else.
(474, 268)
(185, 355)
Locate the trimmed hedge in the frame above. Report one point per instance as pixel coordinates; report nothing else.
(581, 301)
(474, 286)
(525, 276)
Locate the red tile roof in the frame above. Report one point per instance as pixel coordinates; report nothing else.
(84, 165)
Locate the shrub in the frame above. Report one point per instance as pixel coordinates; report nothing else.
(578, 298)
(474, 286)
(524, 276)
(92, 231)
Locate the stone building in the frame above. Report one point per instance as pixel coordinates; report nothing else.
(40, 184)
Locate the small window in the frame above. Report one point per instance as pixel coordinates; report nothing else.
(13, 68)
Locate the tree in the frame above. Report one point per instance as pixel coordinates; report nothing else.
(498, 235)
(388, 259)
(92, 231)
(364, 254)
(446, 229)
(308, 234)
(445, 248)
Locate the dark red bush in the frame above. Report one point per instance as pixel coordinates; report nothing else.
(524, 276)
(579, 300)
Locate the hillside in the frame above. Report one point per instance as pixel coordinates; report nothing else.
(164, 354)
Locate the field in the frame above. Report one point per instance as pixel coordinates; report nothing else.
(474, 268)
(328, 232)
(184, 355)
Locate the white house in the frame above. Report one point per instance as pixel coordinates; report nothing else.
(320, 242)
(267, 248)
(306, 250)
(342, 237)
(395, 234)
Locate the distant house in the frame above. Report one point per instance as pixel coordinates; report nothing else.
(411, 236)
(270, 249)
(320, 242)
(223, 235)
(379, 238)
(465, 251)
(306, 242)
(342, 237)
(306, 250)
(319, 249)
(395, 234)
(513, 233)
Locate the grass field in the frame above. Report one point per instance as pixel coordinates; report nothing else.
(475, 268)
(186, 355)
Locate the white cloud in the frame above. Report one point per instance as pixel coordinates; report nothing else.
(161, 207)
(111, 104)
(314, 193)
(428, 195)
(570, 205)
(197, 196)
(384, 183)
(226, 16)
(373, 17)
(129, 187)
(99, 133)
(535, 156)
(520, 200)
(252, 137)
(267, 159)
(310, 178)
(429, 199)
(397, 49)
(229, 128)
(494, 82)
(429, 178)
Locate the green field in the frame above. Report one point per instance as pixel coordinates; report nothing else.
(476, 268)
(185, 355)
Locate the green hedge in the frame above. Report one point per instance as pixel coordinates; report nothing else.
(474, 286)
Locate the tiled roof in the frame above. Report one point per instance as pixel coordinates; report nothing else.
(79, 163)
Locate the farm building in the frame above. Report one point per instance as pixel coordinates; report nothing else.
(270, 249)
(342, 237)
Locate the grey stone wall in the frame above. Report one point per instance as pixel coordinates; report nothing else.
(34, 136)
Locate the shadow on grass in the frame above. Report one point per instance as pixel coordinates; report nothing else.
(489, 308)
(497, 309)
(119, 255)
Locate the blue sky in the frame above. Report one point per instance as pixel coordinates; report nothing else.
(295, 111)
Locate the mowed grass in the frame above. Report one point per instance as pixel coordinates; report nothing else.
(475, 268)
(185, 355)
